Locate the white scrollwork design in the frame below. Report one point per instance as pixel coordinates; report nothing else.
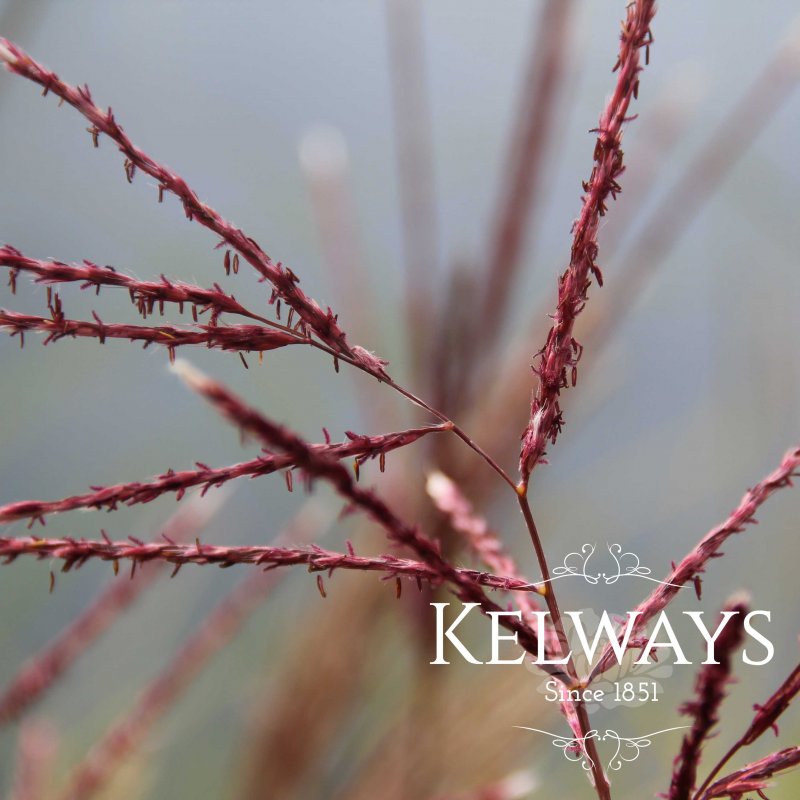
(632, 746)
(627, 565)
(573, 748)
(626, 748)
(633, 568)
(575, 565)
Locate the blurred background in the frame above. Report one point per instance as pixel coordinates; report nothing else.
(378, 148)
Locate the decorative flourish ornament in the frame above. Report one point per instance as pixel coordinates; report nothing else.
(626, 748)
(626, 565)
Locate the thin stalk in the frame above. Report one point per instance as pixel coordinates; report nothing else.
(413, 130)
(600, 781)
(455, 428)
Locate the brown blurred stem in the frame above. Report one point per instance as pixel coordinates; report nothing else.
(415, 172)
(601, 782)
(525, 163)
